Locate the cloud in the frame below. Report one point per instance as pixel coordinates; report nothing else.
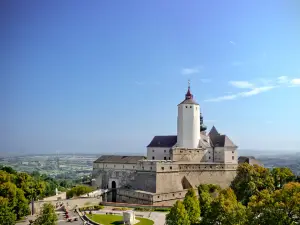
(241, 84)
(189, 71)
(232, 42)
(295, 81)
(282, 80)
(254, 89)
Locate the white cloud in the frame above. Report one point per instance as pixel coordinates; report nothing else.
(295, 81)
(232, 42)
(192, 70)
(282, 80)
(256, 91)
(241, 84)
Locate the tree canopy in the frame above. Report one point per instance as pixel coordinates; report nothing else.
(177, 215)
(47, 215)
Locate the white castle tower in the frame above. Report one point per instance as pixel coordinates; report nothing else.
(188, 122)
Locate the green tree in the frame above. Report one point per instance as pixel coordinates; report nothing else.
(47, 215)
(250, 180)
(281, 207)
(192, 207)
(206, 196)
(225, 209)
(177, 215)
(22, 206)
(282, 176)
(8, 190)
(7, 216)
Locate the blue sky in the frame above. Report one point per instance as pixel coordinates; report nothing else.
(106, 76)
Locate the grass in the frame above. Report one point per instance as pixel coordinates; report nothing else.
(116, 220)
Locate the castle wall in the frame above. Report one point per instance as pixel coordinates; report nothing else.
(144, 180)
(190, 155)
(192, 175)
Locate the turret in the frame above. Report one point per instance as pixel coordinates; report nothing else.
(188, 122)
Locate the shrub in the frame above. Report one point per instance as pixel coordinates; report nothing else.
(120, 209)
(162, 209)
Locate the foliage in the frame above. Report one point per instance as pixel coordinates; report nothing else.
(250, 180)
(79, 190)
(114, 219)
(120, 209)
(192, 207)
(145, 209)
(225, 209)
(177, 215)
(279, 207)
(161, 209)
(7, 216)
(205, 198)
(282, 176)
(47, 215)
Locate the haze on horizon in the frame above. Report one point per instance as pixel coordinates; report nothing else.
(103, 77)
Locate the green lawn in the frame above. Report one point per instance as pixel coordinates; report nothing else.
(115, 220)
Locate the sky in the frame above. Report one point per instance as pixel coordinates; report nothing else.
(106, 76)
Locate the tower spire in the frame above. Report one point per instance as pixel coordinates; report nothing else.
(188, 94)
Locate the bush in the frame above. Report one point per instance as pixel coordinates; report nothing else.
(162, 209)
(120, 209)
(98, 207)
(79, 190)
(142, 209)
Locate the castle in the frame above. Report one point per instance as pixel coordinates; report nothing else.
(173, 164)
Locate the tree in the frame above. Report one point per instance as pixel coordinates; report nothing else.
(8, 190)
(225, 209)
(282, 176)
(22, 206)
(47, 215)
(177, 215)
(192, 207)
(207, 192)
(7, 216)
(250, 180)
(280, 207)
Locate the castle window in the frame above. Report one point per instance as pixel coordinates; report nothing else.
(232, 151)
(190, 151)
(185, 106)
(209, 157)
(165, 158)
(157, 196)
(211, 167)
(115, 166)
(173, 194)
(162, 168)
(179, 193)
(133, 167)
(169, 158)
(165, 150)
(150, 167)
(143, 167)
(153, 157)
(153, 150)
(180, 151)
(190, 106)
(170, 167)
(197, 151)
(232, 157)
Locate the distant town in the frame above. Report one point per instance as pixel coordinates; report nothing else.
(77, 166)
